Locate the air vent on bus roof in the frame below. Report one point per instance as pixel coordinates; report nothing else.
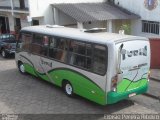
(54, 26)
(94, 30)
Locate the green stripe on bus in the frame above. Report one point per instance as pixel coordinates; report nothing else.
(127, 85)
(113, 97)
(82, 85)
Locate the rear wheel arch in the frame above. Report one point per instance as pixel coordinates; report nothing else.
(19, 62)
(64, 81)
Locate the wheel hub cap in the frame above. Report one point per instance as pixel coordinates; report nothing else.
(69, 89)
(22, 68)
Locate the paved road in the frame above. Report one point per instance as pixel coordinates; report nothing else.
(29, 95)
(154, 89)
(148, 102)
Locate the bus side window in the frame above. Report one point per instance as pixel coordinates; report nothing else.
(40, 44)
(24, 42)
(45, 46)
(37, 44)
(52, 43)
(58, 49)
(99, 63)
(79, 54)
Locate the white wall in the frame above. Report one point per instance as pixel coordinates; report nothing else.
(138, 7)
(11, 22)
(5, 3)
(64, 19)
(16, 3)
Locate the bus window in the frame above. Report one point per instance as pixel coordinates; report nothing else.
(24, 42)
(37, 44)
(61, 44)
(40, 44)
(58, 49)
(99, 63)
(80, 54)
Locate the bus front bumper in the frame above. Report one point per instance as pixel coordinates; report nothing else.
(113, 97)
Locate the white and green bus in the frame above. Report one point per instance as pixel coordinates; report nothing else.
(102, 67)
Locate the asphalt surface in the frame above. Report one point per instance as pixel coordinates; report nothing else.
(154, 89)
(25, 94)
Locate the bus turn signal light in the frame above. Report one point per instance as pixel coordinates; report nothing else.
(114, 83)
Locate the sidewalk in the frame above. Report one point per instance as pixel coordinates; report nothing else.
(154, 84)
(155, 74)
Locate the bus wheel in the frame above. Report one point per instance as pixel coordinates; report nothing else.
(21, 68)
(68, 89)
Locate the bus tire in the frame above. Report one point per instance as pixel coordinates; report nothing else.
(21, 68)
(68, 89)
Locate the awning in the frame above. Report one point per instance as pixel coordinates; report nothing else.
(84, 12)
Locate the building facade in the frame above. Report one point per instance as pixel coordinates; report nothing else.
(149, 11)
(15, 14)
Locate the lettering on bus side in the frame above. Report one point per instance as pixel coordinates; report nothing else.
(46, 63)
(132, 53)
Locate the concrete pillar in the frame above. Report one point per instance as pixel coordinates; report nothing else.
(159, 28)
(79, 25)
(109, 26)
(12, 7)
(56, 16)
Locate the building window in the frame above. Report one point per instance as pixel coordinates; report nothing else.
(35, 22)
(22, 4)
(150, 27)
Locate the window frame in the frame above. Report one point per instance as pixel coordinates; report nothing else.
(150, 27)
(106, 56)
(82, 55)
(32, 43)
(20, 35)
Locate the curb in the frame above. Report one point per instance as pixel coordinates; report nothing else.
(155, 79)
(152, 96)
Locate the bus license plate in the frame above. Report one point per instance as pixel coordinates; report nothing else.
(131, 95)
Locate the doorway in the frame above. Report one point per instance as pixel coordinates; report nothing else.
(22, 4)
(17, 25)
(4, 25)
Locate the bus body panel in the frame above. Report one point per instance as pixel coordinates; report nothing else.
(83, 84)
(134, 63)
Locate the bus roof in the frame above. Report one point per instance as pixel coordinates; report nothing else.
(74, 33)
